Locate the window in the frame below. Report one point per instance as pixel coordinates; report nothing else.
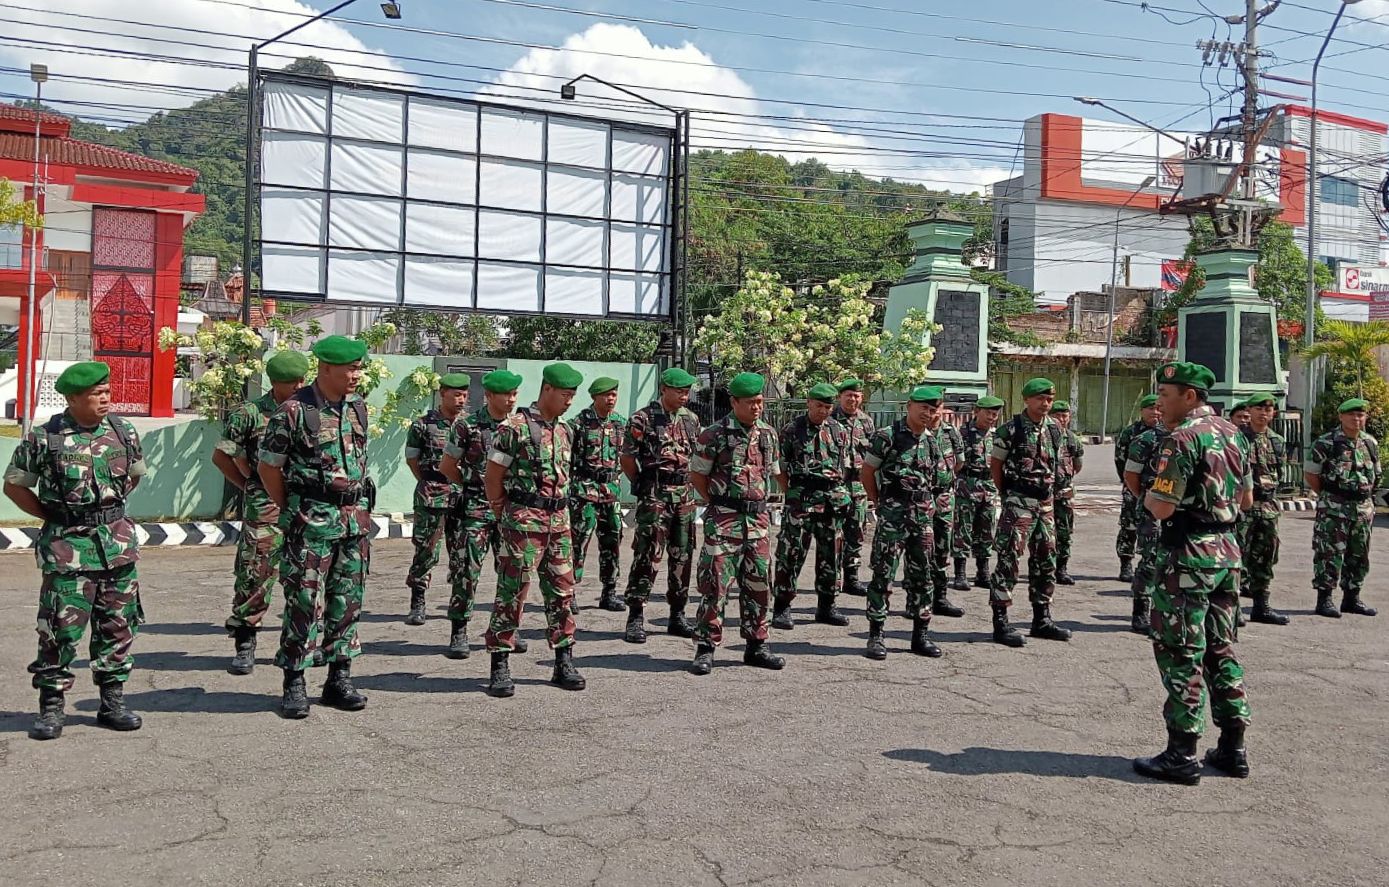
(11, 246)
(1342, 192)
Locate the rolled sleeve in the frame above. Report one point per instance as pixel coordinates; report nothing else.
(138, 468)
(999, 452)
(873, 460)
(701, 464)
(21, 478)
(274, 460)
(231, 448)
(414, 452)
(502, 459)
(1310, 467)
(1133, 466)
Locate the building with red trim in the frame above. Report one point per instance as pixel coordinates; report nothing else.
(110, 257)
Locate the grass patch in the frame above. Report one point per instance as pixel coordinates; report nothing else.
(11, 431)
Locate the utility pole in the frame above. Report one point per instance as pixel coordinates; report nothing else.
(1250, 116)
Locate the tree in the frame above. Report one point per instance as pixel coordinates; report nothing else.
(17, 212)
(1006, 301)
(555, 338)
(1352, 370)
(469, 334)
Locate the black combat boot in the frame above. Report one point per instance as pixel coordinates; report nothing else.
(1142, 617)
(960, 582)
(781, 616)
(1351, 603)
(338, 691)
(458, 640)
(294, 705)
(1125, 569)
(757, 655)
(113, 715)
(922, 645)
(876, 648)
(826, 613)
(1326, 608)
(1262, 612)
(565, 675)
(519, 644)
(1176, 764)
(855, 587)
(1004, 633)
(1240, 620)
(636, 623)
(319, 658)
(416, 614)
(1043, 626)
(704, 659)
(1063, 575)
(607, 600)
(943, 606)
(49, 723)
(678, 625)
(244, 662)
(501, 685)
(981, 572)
(1229, 756)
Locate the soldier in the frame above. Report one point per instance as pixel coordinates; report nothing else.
(1125, 543)
(951, 445)
(976, 497)
(1267, 451)
(1240, 414)
(464, 464)
(74, 473)
(656, 459)
(436, 497)
(900, 473)
(1023, 463)
(815, 459)
(848, 413)
(313, 463)
(593, 507)
(1139, 471)
(1201, 484)
(733, 461)
(258, 544)
(1070, 456)
(528, 489)
(1239, 417)
(1343, 470)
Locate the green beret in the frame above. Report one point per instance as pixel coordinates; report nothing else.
(1035, 387)
(81, 376)
(1147, 400)
(677, 378)
(602, 385)
(1184, 372)
(1354, 405)
(851, 385)
(562, 375)
(746, 385)
(501, 381)
(1060, 406)
(456, 381)
(988, 402)
(927, 394)
(1261, 400)
(287, 366)
(338, 350)
(1239, 405)
(824, 391)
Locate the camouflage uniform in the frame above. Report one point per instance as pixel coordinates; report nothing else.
(1028, 451)
(860, 428)
(593, 503)
(327, 525)
(951, 445)
(909, 471)
(435, 504)
(976, 497)
(1142, 460)
(1350, 473)
(817, 462)
(470, 442)
(1070, 455)
(258, 544)
(87, 549)
(1259, 545)
(661, 444)
(1129, 516)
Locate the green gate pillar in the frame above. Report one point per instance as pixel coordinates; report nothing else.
(1229, 329)
(939, 284)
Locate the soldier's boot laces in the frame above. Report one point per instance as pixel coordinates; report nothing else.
(960, 582)
(1177, 763)
(338, 692)
(781, 616)
(416, 614)
(294, 705)
(703, 660)
(1126, 569)
(922, 645)
(1326, 608)
(1262, 612)
(113, 715)
(758, 656)
(1044, 627)
(826, 613)
(244, 662)
(49, 723)
(566, 676)
(943, 606)
(1229, 756)
(1004, 633)
(636, 624)
(501, 685)
(855, 587)
(458, 640)
(1351, 603)
(1142, 617)
(678, 625)
(981, 573)
(608, 600)
(876, 648)
(1063, 575)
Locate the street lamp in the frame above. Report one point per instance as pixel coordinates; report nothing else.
(568, 92)
(391, 11)
(39, 74)
(1114, 285)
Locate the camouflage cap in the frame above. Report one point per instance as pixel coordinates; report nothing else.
(339, 350)
(81, 376)
(746, 385)
(1260, 400)
(823, 391)
(287, 366)
(501, 381)
(677, 378)
(927, 394)
(989, 402)
(850, 385)
(1354, 405)
(1147, 400)
(1061, 406)
(456, 381)
(1184, 372)
(1038, 386)
(602, 385)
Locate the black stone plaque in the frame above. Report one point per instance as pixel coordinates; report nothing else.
(1205, 342)
(1255, 349)
(957, 343)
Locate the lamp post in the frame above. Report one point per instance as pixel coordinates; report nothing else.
(1113, 286)
(38, 74)
(391, 11)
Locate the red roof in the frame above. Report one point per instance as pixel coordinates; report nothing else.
(47, 121)
(91, 159)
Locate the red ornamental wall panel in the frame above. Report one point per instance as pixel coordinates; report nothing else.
(123, 323)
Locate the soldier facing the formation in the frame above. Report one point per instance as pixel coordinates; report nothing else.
(976, 497)
(1343, 470)
(437, 518)
(1127, 540)
(1259, 547)
(951, 444)
(849, 413)
(1070, 457)
(1139, 472)
(593, 506)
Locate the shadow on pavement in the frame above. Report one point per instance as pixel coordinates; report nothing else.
(406, 682)
(196, 699)
(171, 660)
(676, 659)
(986, 761)
(183, 628)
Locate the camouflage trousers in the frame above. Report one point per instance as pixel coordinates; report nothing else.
(1340, 552)
(663, 527)
(605, 519)
(1241, 533)
(1260, 551)
(1193, 630)
(256, 566)
(737, 551)
(793, 544)
(1065, 526)
(434, 527)
(898, 535)
(1127, 540)
(941, 526)
(975, 521)
(475, 535)
(855, 530)
(324, 581)
(1145, 573)
(549, 554)
(110, 601)
(1025, 527)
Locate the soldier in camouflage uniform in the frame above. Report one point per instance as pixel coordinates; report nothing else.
(848, 413)
(1239, 417)
(1127, 539)
(734, 460)
(656, 459)
(313, 463)
(74, 472)
(593, 505)
(258, 544)
(437, 517)
(1139, 472)
(1201, 484)
(1069, 460)
(951, 446)
(901, 472)
(1023, 463)
(815, 462)
(1343, 470)
(976, 497)
(1267, 451)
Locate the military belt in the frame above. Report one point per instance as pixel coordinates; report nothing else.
(327, 495)
(433, 476)
(1346, 493)
(606, 476)
(815, 482)
(743, 506)
(1263, 495)
(902, 494)
(1026, 488)
(86, 517)
(527, 499)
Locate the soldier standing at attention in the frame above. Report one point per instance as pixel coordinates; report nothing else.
(74, 473)
(313, 463)
(1240, 414)
(436, 497)
(656, 459)
(976, 497)
(849, 413)
(528, 489)
(258, 544)
(464, 464)
(1201, 484)
(900, 472)
(1070, 457)
(733, 462)
(1343, 470)
(1139, 472)
(1239, 417)
(1127, 540)
(815, 460)
(951, 445)
(593, 507)
(1267, 451)
(1023, 463)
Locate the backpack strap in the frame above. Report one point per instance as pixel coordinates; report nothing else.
(53, 439)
